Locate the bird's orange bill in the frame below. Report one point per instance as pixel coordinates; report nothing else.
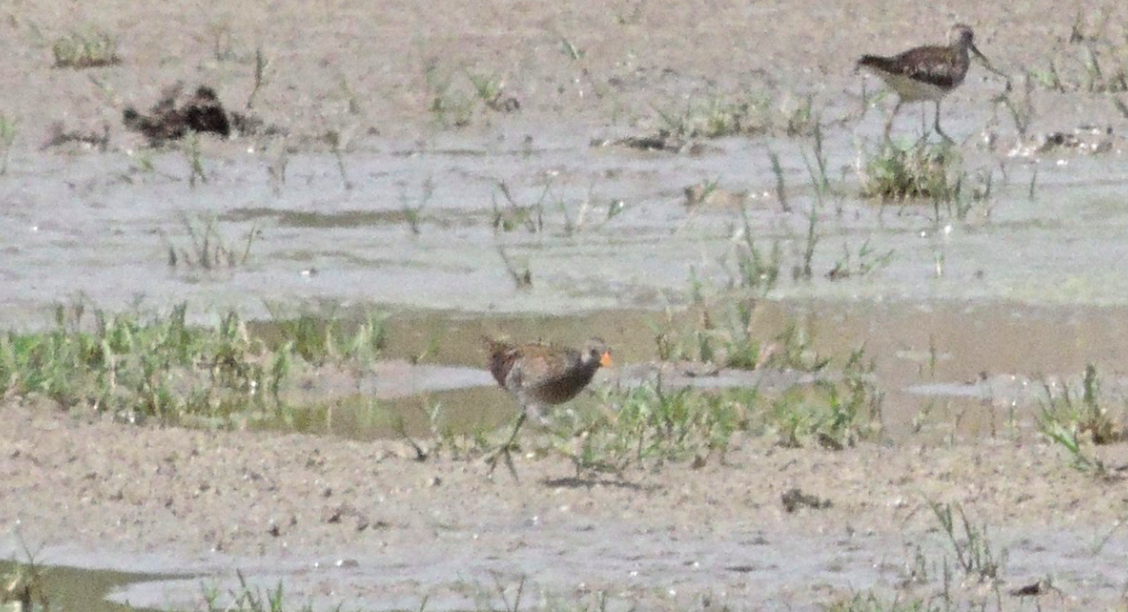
(605, 359)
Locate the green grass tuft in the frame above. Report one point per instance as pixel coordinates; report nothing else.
(1072, 420)
(832, 414)
(138, 366)
(85, 49)
(249, 599)
(7, 137)
(651, 424)
(919, 170)
(970, 543)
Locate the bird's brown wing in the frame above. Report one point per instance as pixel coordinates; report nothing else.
(932, 65)
(542, 363)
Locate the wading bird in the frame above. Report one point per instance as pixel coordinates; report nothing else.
(927, 73)
(538, 375)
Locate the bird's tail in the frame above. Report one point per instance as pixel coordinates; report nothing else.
(876, 62)
(492, 345)
(501, 358)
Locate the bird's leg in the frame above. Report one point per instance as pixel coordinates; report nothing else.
(936, 125)
(889, 124)
(504, 449)
(516, 428)
(535, 412)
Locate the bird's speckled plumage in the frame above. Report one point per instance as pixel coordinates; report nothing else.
(926, 73)
(941, 67)
(544, 373)
(541, 374)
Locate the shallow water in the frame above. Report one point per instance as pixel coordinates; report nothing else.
(674, 569)
(963, 321)
(78, 590)
(92, 224)
(978, 294)
(969, 369)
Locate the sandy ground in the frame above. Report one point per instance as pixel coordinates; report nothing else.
(358, 522)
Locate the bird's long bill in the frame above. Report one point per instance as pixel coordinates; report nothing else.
(983, 58)
(605, 359)
(988, 66)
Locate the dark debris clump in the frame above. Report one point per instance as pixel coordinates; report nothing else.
(174, 116)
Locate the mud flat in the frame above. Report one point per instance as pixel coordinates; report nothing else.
(357, 522)
(479, 169)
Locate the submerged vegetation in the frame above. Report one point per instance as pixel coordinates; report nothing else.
(248, 598)
(209, 249)
(725, 334)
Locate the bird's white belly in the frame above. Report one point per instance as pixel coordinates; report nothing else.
(912, 90)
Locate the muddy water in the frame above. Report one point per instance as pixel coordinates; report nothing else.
(674, 570)
(99, 225)
(76, 590)
(1021, 286)
(963, 368)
